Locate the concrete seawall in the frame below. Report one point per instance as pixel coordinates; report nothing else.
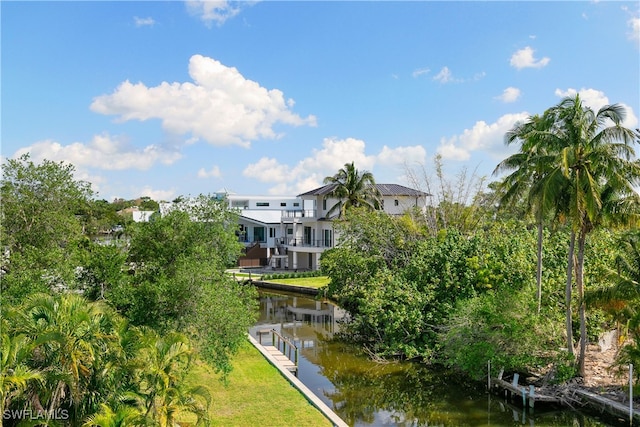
(312, 398)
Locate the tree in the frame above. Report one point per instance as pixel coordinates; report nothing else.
(595, 172)
(41, 212)
(352, 188)
(530, 166)
(179, 282)
(457, 202)
(15, 373)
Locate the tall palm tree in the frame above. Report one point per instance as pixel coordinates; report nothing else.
(352, 188)
(597, 171)
(528, 180)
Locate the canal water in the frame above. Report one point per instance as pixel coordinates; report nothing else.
(366, 393)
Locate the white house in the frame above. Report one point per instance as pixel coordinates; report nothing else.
(291, 232)
(261, 228)
(310, 232)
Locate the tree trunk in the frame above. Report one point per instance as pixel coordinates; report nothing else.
(582, 308)
(569, 321)
(539, 267)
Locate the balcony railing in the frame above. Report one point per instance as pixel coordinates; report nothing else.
(321, 243)
(309, 213)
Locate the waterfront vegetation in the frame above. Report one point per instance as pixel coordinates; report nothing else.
(114, 334)
(463, 282)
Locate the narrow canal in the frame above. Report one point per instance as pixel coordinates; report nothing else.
(366, 393)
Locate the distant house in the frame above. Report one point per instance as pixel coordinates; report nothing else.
(136, 214)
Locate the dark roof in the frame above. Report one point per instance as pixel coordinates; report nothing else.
(384, 189)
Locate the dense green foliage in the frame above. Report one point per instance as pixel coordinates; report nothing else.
(460, 300)
(103, 331)
(578, 166)
(70, 361)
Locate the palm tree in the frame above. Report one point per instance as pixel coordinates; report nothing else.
(529, 179)
(595, 169)
(163, 392)
(15, 373)
(123, 416)
(352, 188)
(622, 298)
(72, 343)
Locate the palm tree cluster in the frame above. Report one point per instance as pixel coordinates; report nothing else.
(66, 361)
(576, 167)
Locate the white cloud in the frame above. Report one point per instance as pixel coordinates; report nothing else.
(103, 152)
(401, 155)
(482, 136)
(444, 76)
(311, 171)
(420, 71)
(144, 22)
(157, 195)
(596, 99)
(216, 11)
(634, 30)
(214, 172)
(221, 106)
(524, 59)
(510, 94)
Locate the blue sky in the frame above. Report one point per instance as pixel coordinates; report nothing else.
(173, 98)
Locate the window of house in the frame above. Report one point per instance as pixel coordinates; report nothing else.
(283, 204)
(396, 202)
(324, 204)
(258, 234)
(262, 204)
(296, 204)
(327, 238)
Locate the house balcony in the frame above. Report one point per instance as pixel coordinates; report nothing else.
(294, 216)
(302, 244)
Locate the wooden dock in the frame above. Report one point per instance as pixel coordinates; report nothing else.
(527, 394)
(311, 397)
(283, 351)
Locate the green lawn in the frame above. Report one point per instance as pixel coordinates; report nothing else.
(307, 282)
(256, 395)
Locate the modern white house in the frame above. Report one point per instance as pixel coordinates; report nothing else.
(310, 231)
(261, 228)
(292, 232)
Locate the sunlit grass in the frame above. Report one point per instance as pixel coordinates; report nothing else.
(307, 282)
(256, 395)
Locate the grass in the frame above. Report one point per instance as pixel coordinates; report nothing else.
(256, 395)
(307, 282)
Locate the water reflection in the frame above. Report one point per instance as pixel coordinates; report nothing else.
(365, 393)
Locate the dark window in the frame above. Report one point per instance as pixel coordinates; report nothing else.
(283, 204)
(262, 204)
(396, 202)
(296, 204)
